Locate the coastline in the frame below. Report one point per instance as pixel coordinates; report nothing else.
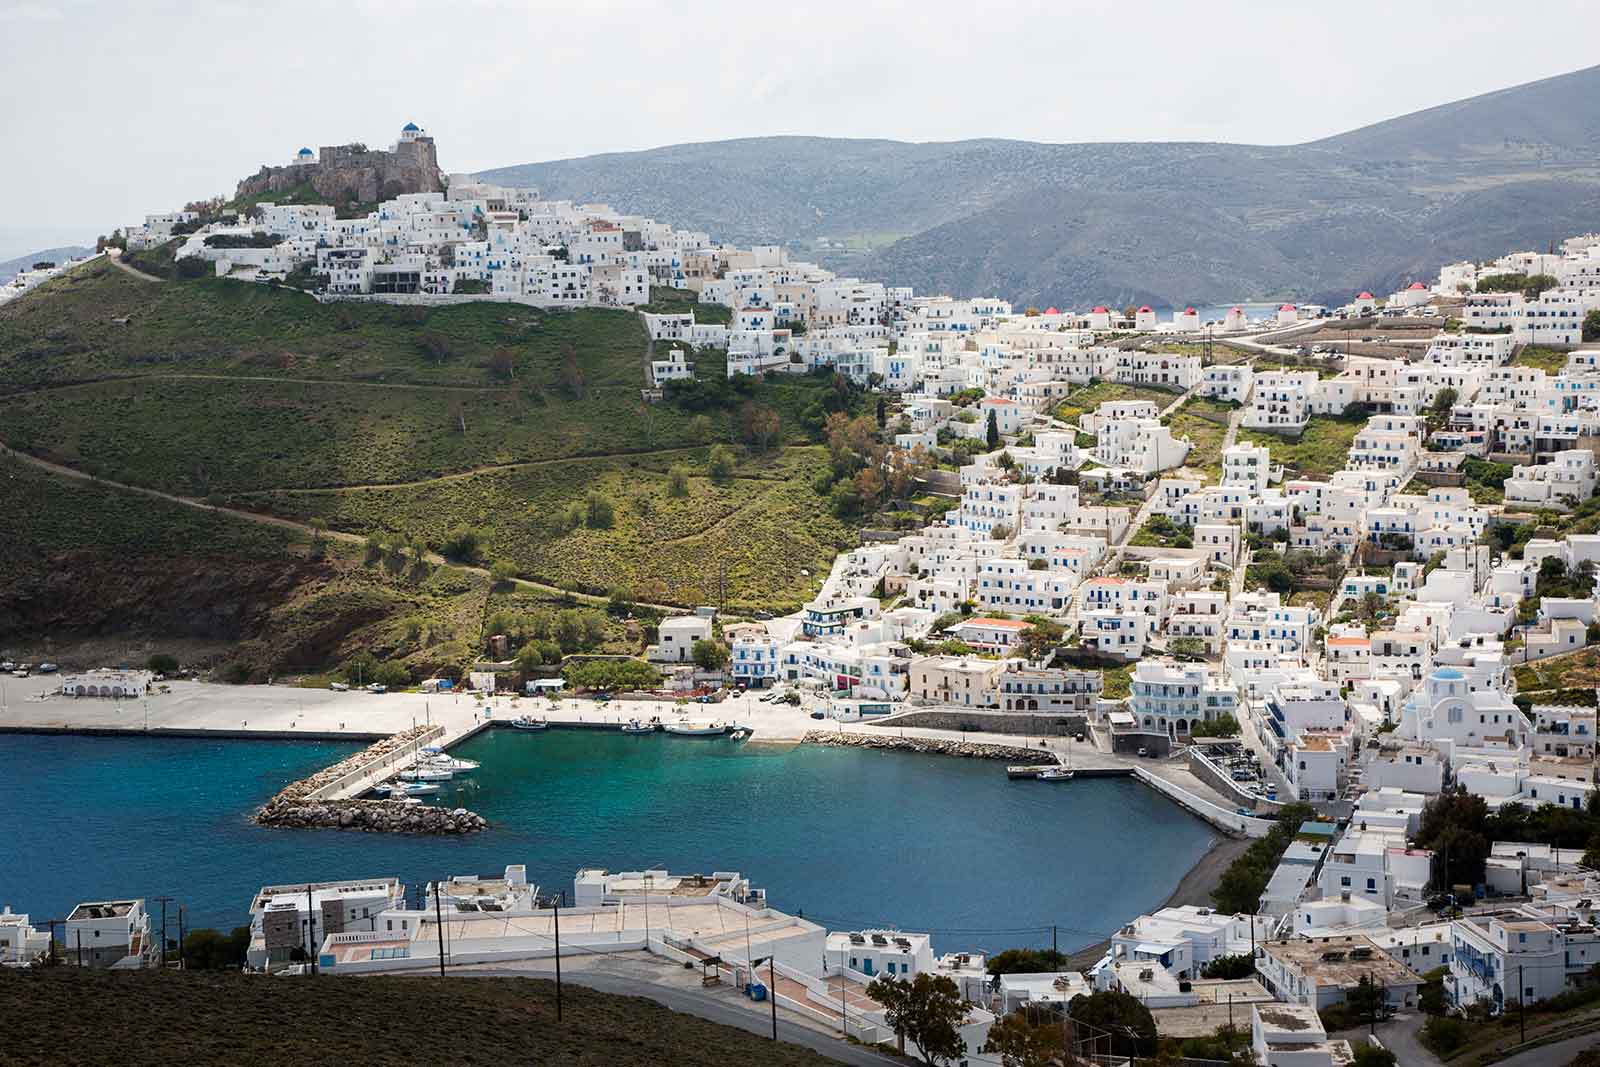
(1193, 888)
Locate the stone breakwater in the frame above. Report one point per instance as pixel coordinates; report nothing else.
(373, 816)
(292, 808)
(930, 746)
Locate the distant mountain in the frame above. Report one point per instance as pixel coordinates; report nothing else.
(12, 267)
(1163, 223)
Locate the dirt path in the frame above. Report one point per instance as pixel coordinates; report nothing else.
(298, 527)
(114, 257)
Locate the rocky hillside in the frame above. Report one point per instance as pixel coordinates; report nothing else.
(1164, 223)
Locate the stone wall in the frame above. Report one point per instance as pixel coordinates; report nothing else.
(1027, 723)
(929, 746)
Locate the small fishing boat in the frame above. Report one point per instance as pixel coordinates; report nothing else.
(1054, 774)
(739, 733)
(415, 789)
(528, 722)
(694, 728)
(634, 726)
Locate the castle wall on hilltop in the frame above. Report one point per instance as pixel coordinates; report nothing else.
(343, 173)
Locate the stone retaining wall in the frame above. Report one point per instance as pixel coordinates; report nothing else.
(930, 746)
(1027, 723)
(296, 805)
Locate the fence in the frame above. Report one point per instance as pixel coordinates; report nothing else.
(1214, 814)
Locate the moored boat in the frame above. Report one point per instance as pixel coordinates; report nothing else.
(696, 728)
(1054, 774)
(634, 726)
(528, 722)
(425, 773)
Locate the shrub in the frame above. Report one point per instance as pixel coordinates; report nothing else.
(598, 512)
(162, 663)
(461, 544)
(1444, 1034)
(677, 482)
(720, 463)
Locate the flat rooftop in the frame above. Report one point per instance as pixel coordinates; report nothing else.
(1341, 961)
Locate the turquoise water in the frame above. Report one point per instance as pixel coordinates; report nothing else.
(849, 837)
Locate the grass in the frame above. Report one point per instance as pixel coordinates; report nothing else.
(1269, 362)
(205, 1017)
(1204, 422)
(1579, 670)
(266, 399)
(1310, 598)
(1118, 682)
(666, 301)
(1088, 398)
(1548, 360)
(1320, 450)
(66, 332)
(765, 525)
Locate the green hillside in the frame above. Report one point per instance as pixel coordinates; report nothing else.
(401, 421)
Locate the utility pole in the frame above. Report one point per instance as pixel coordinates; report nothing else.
(181, 911)
(772, 994)
(311, 932)
(80, 948)
(438, 921)
(558, 960)
(163, 902)
(1522, 1005)
(50, 957)
(1053, 949)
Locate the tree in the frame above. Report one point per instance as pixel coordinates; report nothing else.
(1367, 1000)
(530, 656)
(1230, 967)
(927, 1010)
(1454, 825)
(869, 487)
(709, 655)
(435, 346)
(319, 527)
(1027, 961)
(1591, 326)
(502, 572)
(461, 543)
(758, 425)
(206, 949)
(163, 663)
(391, 674)
(615, 675)
(360, 667)
(883, 413)
(598, 512)
(699, 429)
(719, 464)
(1430, 997)
(1187, 647)
(991, 432)
(1020, 1043)
(1132, 1027)
(1040, 640)
(678, 482)
(1224, 725)
(503, 363)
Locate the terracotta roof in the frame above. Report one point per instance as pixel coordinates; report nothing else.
(998, 624)
(1098, 309)
(1364, 295)
(1414, 286)
(1189, 311)
(1051, 311)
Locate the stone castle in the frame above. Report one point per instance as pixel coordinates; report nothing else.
(353, 172)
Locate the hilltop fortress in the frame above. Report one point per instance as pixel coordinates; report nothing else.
(353, 172)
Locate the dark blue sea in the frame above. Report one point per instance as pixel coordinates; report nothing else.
(848, 837)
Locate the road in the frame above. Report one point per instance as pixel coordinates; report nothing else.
(720, 1005)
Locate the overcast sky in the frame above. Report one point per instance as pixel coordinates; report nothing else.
(118, 107)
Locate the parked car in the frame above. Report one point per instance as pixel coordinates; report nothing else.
(1246, 812)
(48, 668)
(376, 688)
(8, 666)
(1144, 752)
(339, 687)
